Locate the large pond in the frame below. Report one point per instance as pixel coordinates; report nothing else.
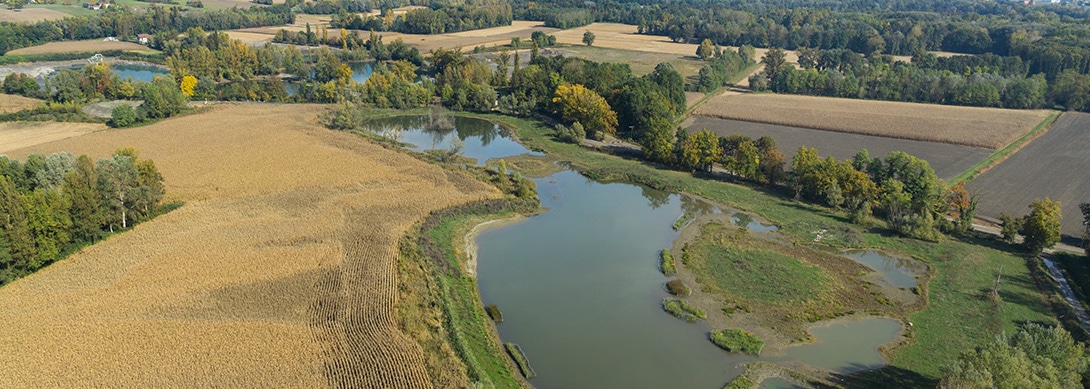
(580, 288)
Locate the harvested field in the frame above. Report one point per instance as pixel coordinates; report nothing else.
(947, 160)
(624, 36)
(79, 47)
(281, 267)
(16, 103)
(990, 128)
(30, 15)
(466, 40)
(17, 135)
(692, 97)
(641, 62)
(251, 37)
(1053, 166)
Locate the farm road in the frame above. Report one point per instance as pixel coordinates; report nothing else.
(1053, 166)
(947, 160)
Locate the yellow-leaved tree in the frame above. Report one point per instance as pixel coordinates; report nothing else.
(576, 103)
(189, 83)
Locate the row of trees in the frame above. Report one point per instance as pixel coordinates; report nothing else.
(439, 18)
(53, 205)
(1043, 40)
(987, 81)
(162, 97)
(124, 23)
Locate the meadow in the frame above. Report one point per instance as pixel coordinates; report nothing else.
(281, 264)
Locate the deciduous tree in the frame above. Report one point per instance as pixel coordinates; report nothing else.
(1041, 228)
(576, 103)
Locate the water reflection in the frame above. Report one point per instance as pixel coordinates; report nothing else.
(481, 139)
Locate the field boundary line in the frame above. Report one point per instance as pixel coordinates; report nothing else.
(707, 96)
(1002, 154)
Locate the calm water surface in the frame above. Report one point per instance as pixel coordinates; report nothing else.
(581, 292)
(899, 272)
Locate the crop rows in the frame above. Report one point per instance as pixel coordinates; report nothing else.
(990, 128)
(281, 267)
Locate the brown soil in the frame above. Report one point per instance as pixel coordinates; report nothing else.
(990, 128)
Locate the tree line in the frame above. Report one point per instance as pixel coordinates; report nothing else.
(1046, 40)
(981, 81)
(126, 24)
(53, 205)
(440, 17)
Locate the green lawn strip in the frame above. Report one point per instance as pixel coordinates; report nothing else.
(737, 341)
(956, 317)
(1005, 152)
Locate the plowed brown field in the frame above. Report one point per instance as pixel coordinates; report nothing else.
(991, 128)
(280, 270)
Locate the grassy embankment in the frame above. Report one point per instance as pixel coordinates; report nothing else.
(440, 306)
(959, 315)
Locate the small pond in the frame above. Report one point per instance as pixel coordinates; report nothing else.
(361, 71)
(847, 346)
(744, 220)
(899, 272)
(132, 71)
(481, 139)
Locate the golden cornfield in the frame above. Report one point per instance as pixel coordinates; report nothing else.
(991, 128)
(280, 270)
